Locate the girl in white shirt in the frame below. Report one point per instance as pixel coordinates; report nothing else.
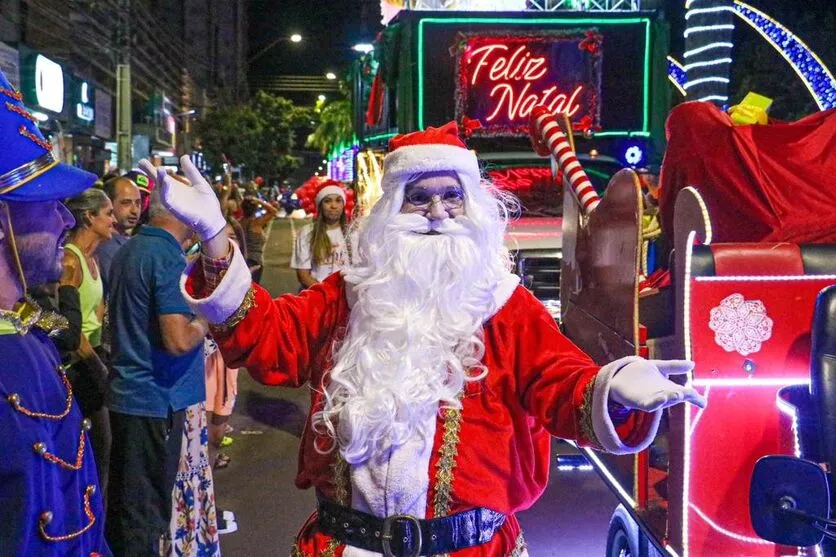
(322, 247)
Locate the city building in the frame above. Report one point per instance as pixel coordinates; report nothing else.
(175, 57)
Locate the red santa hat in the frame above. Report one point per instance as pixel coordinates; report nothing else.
(312, 192)
(329, 188)
(432, 150)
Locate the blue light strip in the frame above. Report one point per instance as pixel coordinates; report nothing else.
(807, 65)
(676, 73)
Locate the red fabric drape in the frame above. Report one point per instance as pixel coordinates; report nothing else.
(772, 183)
(374, 112)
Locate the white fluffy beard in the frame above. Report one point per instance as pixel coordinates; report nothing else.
(415, 332)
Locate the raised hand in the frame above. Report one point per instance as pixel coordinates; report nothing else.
(644, 385)
(195, 205)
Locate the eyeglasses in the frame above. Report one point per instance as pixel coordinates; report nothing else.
(422, 199)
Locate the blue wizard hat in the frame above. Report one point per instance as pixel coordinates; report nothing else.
(28, 169)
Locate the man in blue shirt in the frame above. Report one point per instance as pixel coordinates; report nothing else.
(124, 195)
(158, 372)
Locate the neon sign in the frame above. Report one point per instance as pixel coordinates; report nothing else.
(502, 79)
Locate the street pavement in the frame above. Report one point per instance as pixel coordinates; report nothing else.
(569, 520)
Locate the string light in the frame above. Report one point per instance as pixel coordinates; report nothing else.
(701, 411)
(750, 382)
(720, 98)
(714, 62)
(790, 410)
(612, 480)
(709, 46)
(716, 527)
(809, 67)
(764, 278)
(716, 9)
(704, 28)
(696, 82)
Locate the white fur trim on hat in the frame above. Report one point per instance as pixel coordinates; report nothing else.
(412, 160)
(329, 190)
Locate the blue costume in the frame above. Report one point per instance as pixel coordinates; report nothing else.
(48, 481)
(50, 502)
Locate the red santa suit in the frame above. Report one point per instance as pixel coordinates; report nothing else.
(493, 453)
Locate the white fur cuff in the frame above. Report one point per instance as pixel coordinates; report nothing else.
(601, 422)
(227, 297)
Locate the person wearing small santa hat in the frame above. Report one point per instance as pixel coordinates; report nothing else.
(321, 247)
(436, 378)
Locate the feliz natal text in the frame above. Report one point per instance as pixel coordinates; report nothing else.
(515, 75)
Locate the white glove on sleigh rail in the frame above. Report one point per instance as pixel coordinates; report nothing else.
(644, 385)
(637, 384)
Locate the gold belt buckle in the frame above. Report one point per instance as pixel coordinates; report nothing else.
(387, 537)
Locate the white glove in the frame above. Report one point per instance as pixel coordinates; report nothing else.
(196, 205)
(643, 385)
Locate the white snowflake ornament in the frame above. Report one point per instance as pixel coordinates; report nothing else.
(740, 325)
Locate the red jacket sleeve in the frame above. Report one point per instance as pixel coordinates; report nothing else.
(556, 384)
(282, 341)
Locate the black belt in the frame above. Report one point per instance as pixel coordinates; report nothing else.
(404, 535)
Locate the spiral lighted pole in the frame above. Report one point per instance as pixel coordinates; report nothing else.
(549, 139)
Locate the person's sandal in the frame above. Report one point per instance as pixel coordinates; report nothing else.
(221, 461)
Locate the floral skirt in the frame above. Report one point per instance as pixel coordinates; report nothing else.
(194, 526)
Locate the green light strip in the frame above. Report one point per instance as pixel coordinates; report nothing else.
(646, 75)
(590, 21)
(379, 136)
(598, 173)
(620, 134)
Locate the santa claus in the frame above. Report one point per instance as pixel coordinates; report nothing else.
(436, 378)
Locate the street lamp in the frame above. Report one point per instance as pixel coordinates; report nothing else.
(331, 76)
(294, 38)
(321, 98)
(365, 48)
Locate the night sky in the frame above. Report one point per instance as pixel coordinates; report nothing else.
(329, 27)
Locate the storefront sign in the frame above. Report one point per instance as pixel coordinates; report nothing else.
(49, 84)
(502, 79)
(85, 102)
(10, 64)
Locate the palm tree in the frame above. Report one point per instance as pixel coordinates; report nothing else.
(335, 127)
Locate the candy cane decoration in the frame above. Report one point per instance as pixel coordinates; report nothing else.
(546, 133)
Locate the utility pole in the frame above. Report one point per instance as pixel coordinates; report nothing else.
(123, 88)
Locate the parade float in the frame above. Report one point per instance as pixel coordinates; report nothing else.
(749, 237)
(721, 262)
(720, 259)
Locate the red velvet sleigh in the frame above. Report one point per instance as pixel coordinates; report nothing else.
(741, 310)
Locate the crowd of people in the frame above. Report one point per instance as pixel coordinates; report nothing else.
(144, 371)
